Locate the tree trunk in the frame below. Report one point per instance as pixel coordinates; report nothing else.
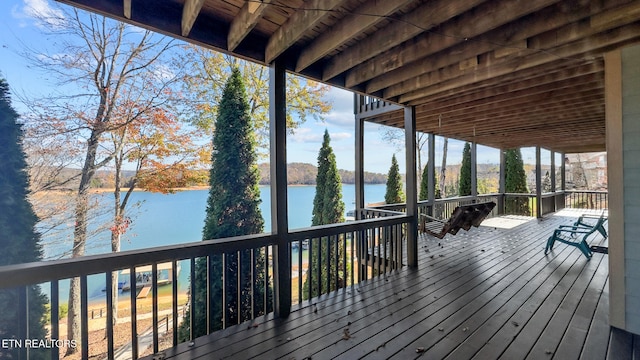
(80, 237)
(443, 169)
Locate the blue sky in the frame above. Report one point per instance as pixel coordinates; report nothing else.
(19, 29)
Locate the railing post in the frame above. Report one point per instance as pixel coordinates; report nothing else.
(412, 188)
(538, 184)
(502, 183)
(278, 164)
(431, 173)
(474, 171)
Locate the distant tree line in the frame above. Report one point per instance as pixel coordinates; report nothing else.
(305, 174)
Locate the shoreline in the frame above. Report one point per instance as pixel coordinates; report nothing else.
(189, 188)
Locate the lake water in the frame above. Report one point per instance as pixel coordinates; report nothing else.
(179, 218)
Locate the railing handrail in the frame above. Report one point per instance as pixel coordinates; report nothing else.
(335, 229)
(44, 271)
(587, 191)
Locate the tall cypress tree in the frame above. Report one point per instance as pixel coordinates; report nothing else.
(424, 184)
(19, 241)
(464, 183)
(394, 194)
(328, 208)
(232, 210)
(515, 182)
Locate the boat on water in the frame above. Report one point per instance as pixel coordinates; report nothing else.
(144, 276)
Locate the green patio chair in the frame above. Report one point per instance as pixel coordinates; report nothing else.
(576, 235)
(586, 220)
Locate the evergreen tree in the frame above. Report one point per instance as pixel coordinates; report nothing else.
(328, 208)
(424, 184)
(19, 241)
(232, 210)
(515, 182)
(546, 183)
(464, 183)
(394, 194)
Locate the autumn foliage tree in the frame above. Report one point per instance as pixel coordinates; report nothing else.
(160, 153)
(102, 60)
(208, 72)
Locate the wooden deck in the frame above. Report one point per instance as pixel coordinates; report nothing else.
(489, 293)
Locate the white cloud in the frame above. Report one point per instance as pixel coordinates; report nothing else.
(41, 12)
(307, 135)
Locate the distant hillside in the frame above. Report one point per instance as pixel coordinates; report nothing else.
(298, 173)
(305, 174)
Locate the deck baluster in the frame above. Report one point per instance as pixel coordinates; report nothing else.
(84, 317)
(154, 305)
(110, 315)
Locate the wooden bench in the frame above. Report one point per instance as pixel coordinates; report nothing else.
(462, 217)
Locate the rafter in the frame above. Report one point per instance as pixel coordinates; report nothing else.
(562, 24)
(126, 7)
(365, 16)
(245, 21)
(483, 18)
(452, 77)
(297, 25)
(190, 13)
(406, 27)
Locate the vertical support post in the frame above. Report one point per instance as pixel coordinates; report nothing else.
(502, 183)
(359, 175)
(278, 167)
(474, 170)
(552, 176)
(538, 184)
(431, 173)
(553, 171)
(360, 236)
(412, 188)
(563, 174)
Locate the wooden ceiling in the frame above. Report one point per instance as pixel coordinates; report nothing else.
(505, 73)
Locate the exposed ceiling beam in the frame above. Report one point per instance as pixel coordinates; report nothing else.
(452, 77)
(190, 13)
(506, 40)
(126, 7)
(365, 16)
(483, 18)
(297, 25)
(245, 21)
(398, 31)
(513, 82)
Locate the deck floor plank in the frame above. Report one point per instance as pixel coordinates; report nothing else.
(487, 293)
(456, 314)
(572, 343)
(597, 341)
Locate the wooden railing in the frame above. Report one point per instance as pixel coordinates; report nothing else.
(512, 203)
(367, 106)
(333, 253)
(586, 199)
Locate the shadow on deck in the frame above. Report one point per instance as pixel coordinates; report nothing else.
(488, 293)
